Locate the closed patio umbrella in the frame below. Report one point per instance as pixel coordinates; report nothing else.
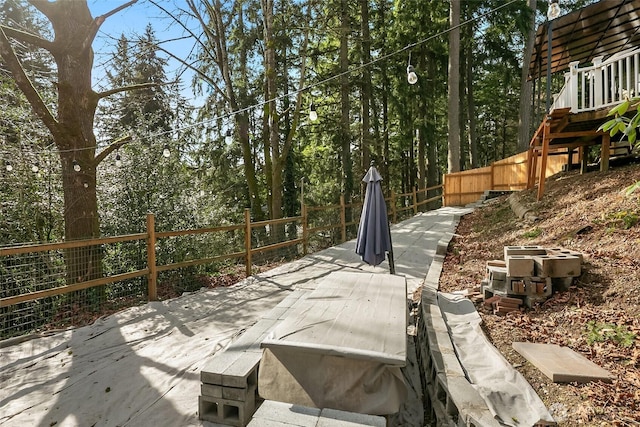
(374, 236)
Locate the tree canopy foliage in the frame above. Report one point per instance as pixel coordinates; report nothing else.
(237, 133)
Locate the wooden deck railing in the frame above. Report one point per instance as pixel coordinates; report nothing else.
(601, 84)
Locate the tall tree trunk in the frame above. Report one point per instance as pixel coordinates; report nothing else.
(433, 170)
(345, 134)
(472, 139)
(385, 110)
(526, 86)
(366, 85)
(453, 156)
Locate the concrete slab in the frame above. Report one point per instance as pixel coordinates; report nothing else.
(152, 356)
(561, 364)
(335, 418)
(285, 414)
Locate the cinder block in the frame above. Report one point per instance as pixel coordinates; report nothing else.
(239, 394)
(496, 273)
(561, 283)
(496, 263)
(520, 266)
(557, 265)
(498, 285)
(212, 371)
(211, 390)
(224, 411)
(242, 373)
(523, 250)
(563, 251)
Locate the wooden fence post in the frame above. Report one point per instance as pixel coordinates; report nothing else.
(415, 201)
(152, 285)
(305, 232)
(394, 213)
(343, 219)
(247, 241)
(444, 190)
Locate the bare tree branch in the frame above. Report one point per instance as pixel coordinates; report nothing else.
(196, 15)
(197, 71)
(111, 148)
(113, 91)
(26, 86)
(98, 21)
(27, 37)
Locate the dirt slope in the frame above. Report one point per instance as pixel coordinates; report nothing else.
(599, 316)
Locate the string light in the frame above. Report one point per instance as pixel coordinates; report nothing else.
(118, 160)
(228, 137)
(76, 166)
(313, 114)
(412, 77)
(8, 166)
(35, 168)
(554, 10)
(166, 152)
(479, 18)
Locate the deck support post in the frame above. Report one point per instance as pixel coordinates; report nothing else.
(604, 152)
(543, 161)
(583, 159)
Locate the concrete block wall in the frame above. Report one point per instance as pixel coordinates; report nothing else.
(451, 401)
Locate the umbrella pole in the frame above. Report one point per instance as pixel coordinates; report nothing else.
(392, 263)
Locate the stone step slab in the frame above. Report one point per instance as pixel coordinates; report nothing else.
(561, 364)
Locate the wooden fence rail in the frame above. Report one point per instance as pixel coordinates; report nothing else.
(151, 237)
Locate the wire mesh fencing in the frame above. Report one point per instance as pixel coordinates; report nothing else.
(53, 286)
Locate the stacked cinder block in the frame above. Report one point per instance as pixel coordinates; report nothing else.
(531, 272)
(229, 380)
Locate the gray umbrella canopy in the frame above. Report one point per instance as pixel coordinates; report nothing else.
(374, 238)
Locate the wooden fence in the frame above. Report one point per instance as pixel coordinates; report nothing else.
(465, 187)
(17, 262)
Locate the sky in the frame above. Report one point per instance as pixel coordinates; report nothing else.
(133, 21)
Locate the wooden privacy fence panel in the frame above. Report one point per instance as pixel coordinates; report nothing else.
(466, 187)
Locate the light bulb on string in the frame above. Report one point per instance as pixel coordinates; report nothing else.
(313, 114)
(412, 77)
(76, 166)
(554, 10)
(166, 152)
(8, 166)
(35, 168)
(228, 137)
(118, 160)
